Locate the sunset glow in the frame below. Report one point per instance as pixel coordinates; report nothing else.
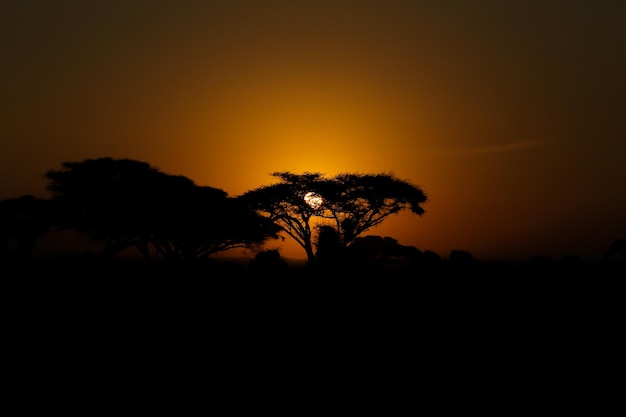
(509, 115)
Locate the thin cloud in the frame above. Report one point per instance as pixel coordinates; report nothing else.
(507, 147)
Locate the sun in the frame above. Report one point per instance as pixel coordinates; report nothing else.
(313, 200)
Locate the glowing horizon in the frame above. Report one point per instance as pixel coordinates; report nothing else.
(516, 135)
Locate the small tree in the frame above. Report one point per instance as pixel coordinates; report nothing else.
(22, 221)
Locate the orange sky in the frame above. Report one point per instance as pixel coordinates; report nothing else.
(510, 115)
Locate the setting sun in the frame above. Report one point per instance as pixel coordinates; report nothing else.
(314, 200)
(509, 115)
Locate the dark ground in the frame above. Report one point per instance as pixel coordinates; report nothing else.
(490, 332)
(92, 281)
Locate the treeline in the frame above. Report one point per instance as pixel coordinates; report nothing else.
(126, 204)
(123, 204)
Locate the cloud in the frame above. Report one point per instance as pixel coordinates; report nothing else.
(507, 147)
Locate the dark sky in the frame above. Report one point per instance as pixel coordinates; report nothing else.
(511, 115)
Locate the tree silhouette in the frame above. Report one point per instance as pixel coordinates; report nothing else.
(22, 221)
(353, 203)
(126, 203)
(616, 251)
(268, 261)
(362, 201)
(205, 221)
(284, 204)
(374, 249)
(111, 201)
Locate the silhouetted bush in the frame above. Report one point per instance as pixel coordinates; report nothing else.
(330, 251)
(616, 251)
(461, 258)
(268, 261)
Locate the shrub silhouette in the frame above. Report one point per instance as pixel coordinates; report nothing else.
(330, 250)
(616, 251)
(269, 260)
(22, 221)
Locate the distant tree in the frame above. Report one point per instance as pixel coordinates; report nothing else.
(268, 261)
(374, 249)
(429, 257)
(616, 251)
(351, 203)
(22, 221)
(126, 203)
(459, 257)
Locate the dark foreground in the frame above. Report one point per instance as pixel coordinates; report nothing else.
(540, 326)
(233, 307)
(128, 283)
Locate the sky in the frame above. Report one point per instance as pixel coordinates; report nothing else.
(510, 115)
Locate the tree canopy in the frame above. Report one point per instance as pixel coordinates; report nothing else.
(127, 203)
(284, 204)
(352, 203)
(22, 221)
(124, 203)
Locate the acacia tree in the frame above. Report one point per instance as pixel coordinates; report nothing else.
(353, 203)
(111, 201)
(289, 204)
(362, 201)
(206, 221)
(127, 203)
(22, 221)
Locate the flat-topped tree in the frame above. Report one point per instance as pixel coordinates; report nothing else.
(362, 201)
(291, 204)
(126, 203)
(113, 201)
(351, 203)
